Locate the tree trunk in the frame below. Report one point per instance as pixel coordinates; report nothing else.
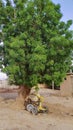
(23, 93)
(52, 84)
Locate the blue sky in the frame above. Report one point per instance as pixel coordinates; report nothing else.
(66, 9)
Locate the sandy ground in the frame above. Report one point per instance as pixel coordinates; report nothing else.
(60, 116)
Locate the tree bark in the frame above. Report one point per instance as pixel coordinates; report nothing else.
(23, 93)
(52, 84)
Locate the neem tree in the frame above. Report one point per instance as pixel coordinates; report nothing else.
(37, 44)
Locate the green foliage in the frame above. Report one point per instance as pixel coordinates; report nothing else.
(37, 44)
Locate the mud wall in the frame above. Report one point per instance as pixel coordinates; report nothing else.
(66, 87)
(5, 84)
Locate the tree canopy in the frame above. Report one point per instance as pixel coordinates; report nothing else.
(37, 44)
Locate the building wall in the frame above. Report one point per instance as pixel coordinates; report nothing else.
(66, 87)
(4, 84)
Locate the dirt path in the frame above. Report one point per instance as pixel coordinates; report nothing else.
(22, 120)
(57, 119)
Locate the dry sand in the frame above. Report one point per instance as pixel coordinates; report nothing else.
(60, 116)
